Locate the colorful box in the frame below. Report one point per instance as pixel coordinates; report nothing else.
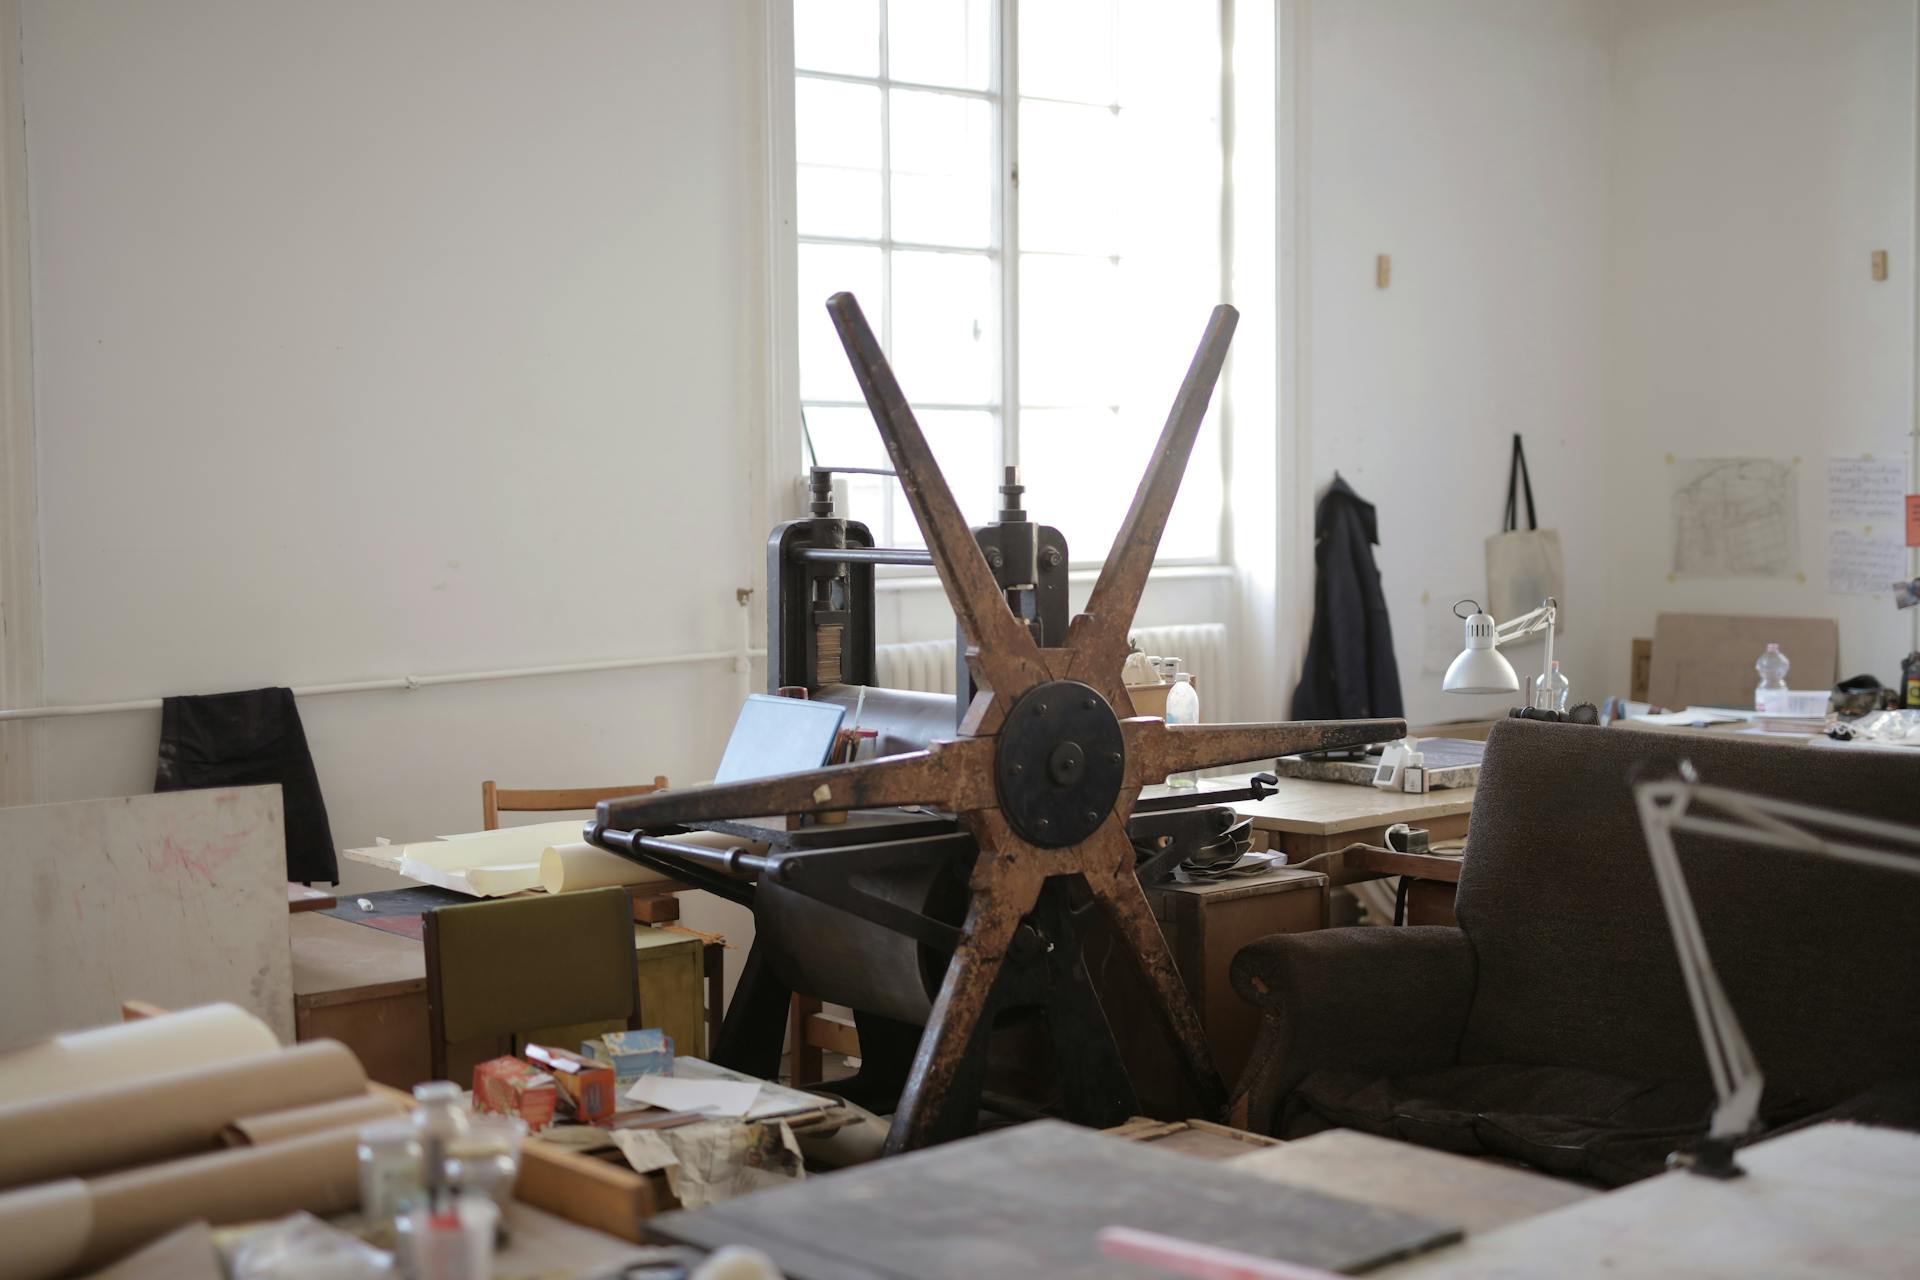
(588, 1086)
(633, 1054)
(511, 1087)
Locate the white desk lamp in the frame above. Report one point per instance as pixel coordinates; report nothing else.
(1667, 807)
(1480, 668)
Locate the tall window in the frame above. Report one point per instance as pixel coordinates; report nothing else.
(1026, 197)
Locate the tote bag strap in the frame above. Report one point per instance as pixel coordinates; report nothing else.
(1517, 477)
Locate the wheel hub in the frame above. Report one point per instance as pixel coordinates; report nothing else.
(1059, 763)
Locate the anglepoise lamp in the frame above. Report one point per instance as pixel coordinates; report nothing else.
(1480, 668)
(1686, 805)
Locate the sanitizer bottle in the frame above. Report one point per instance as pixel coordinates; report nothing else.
(1183, 707)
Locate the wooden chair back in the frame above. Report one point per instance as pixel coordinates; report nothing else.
(556, 966)
(496, 800)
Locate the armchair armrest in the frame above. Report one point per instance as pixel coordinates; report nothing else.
(1364, 998)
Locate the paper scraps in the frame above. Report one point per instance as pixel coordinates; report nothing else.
(714, 1160)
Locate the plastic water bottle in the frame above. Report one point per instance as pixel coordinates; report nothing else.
(1183, 707)
(1550, 689)
(1770, 695)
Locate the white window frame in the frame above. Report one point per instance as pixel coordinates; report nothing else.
(787, 455)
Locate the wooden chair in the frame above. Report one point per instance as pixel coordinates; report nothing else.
(495, 800)
(554, 967)
(654, 905)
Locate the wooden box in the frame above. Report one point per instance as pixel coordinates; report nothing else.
(1205, 925)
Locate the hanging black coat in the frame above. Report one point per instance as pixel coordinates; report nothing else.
(1350, 672)
(244, 739)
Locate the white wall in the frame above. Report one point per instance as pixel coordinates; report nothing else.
(1761, 151)
(375, 339)
(1467, 140)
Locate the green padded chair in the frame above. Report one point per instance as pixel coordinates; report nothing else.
(545, 968)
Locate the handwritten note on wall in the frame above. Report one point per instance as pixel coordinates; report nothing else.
(1865, 490)
(1860, 564)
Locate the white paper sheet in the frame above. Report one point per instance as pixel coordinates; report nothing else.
(486, 864)
(734, 1098)
(1691, 715)
(1867, 491)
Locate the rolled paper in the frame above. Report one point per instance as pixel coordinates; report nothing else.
(278, 1126)
(45, 1229)
(118, 1126)
(565, 868)
(317, 1172)
(126, 1051)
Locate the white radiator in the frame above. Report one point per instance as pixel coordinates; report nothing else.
(928, 665)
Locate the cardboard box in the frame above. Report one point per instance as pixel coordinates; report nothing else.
(586, 1085)
(511, 1087)
(1149, 699)
(633, 1054)
(1706, 660)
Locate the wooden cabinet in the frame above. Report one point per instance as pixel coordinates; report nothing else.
(1205, 926)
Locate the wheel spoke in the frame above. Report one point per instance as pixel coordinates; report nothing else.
(1003, 892)
(1156, 749)
(1127, 911)
(1004, 656)
(950, 776)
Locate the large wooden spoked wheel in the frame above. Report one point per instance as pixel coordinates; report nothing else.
(1049, 758)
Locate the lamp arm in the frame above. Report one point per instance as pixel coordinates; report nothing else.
(1737, 1080)
(1667, 807)
(1527, 623)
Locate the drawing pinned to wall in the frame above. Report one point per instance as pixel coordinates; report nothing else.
(1864, 564)
(1865, 490)
(1735, 517)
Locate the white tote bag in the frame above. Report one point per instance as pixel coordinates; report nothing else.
(1523, 565)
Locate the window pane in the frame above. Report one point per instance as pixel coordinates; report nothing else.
(836, 138)
(836, 124)
(843, 438)
(942, 169)
(940, 42)
(1081, 467)
(1067, 49)
(1069, 331)
(837, 35)
(966, 443)
(946, 341)
(1193, 530)
(839, 202)
(1167, 55)
(824, 270)
(1070, 177)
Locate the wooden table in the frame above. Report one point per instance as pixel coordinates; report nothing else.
(303, 897)
(1303, 818)
(1307, 819)
(368, 990)
(364, 988)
